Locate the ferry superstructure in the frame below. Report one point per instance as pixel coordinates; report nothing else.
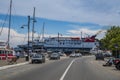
(68, 42)
(64, 44)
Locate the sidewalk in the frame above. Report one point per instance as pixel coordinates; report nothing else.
(21, 61)
(5, 63)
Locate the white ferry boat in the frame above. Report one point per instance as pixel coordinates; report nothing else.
(84, 45)
(70, 43)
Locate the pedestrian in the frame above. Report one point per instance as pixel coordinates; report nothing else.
(18, 55)
(26, 57)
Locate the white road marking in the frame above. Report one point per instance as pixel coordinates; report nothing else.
(62, 77)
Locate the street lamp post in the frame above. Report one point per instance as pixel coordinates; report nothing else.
(59, 40)
(34, 20)
(28, 25)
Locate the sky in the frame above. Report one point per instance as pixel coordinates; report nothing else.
(67, 17)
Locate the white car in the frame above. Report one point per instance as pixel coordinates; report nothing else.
(75, 55)
(72, 55)
(54, 56)
(38, 58)
(78, 54)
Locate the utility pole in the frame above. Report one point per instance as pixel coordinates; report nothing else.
(28, 45)
(58, 40)
(81, 35)
(33, 27)
(59, 34)
(9, 23)
(43, 36)
(81, 42)
(43, 32)
(28, 36)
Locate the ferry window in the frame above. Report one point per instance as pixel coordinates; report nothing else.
(10, 52)
(60, 43)
(2, 52)
(7, 52)
(47, 40)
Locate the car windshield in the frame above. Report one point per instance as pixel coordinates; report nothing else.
(37, 56)
(55, 54)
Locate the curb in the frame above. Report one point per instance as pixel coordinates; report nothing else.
(15, 65)
(9, 66)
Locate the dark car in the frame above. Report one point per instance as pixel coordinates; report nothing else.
(38, 58)
(55, 56)
(99, 56)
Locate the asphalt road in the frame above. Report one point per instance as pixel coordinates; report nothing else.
(84, 68)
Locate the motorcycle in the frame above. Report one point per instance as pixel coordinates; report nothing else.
(109, 62)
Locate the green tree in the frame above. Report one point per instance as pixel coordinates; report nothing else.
(111, 39)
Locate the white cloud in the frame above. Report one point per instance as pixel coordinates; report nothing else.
(15, 38)
(85, 32)
(95, 11)
(18, 38)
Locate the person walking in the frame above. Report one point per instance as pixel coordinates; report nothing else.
(18, 55)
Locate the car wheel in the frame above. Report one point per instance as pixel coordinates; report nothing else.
(43, 61)
(118, 66)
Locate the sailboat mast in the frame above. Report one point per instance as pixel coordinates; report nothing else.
(33, 25)
(9, 23)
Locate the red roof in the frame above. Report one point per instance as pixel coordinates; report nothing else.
(75, 38)
(90, 39)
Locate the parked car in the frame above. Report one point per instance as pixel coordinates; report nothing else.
(55, 56)
(78, 55)
(75, 55)
(61, 53)
(38, 58)
(72, 55)
(99, 56)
